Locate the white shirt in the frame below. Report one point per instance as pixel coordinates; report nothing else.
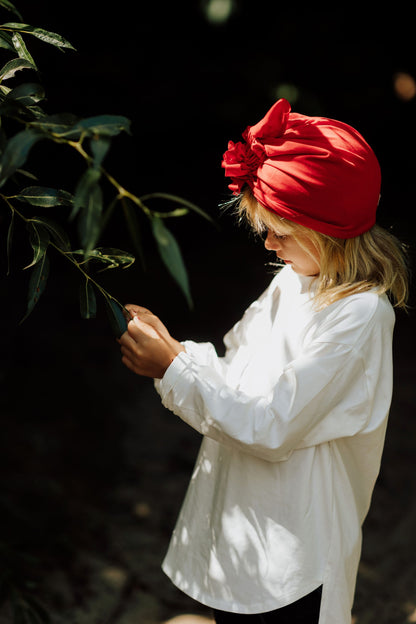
(293, 418)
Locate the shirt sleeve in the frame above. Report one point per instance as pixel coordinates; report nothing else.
(205, 354)
(309, 404)
(322, 395)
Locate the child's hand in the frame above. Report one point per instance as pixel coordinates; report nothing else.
(147, 347)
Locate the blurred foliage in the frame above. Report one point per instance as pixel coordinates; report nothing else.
(24, 124)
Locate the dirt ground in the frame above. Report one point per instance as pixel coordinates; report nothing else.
(94, 470)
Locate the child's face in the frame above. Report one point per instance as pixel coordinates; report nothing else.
(303, 258)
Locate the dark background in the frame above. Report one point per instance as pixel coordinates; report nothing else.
(94, 469)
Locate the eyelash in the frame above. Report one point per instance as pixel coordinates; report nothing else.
(281, 237)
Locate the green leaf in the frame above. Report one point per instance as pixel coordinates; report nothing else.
(99, 148)
(133, 225)
(45, 35)
(19, 45)
(114, 258)
(86, 184)
(6, 41)
(37, 284)
(39, 239)
(27, 94)
(13, 66)
(178, 200)
(6, 4)
(16, 152)
(15, 109)
(57, 233)
(171, 256)
(89, 222)
(26, 174)
(87, 300)
(45, 197)
(104, 125)
(178, 212)
(72, 128)
(59, 125)
(115, 315)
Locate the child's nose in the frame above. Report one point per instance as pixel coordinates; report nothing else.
(271, 242)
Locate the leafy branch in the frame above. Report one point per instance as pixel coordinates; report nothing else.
(91, 139)
(47, 214)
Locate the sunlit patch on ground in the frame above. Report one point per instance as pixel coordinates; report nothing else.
(189, 619)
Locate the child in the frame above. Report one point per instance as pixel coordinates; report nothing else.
(293, 417)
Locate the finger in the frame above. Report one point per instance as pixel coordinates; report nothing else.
(156, 323)
(130, 365)
(136, 309)
(126, 339)
(128, 352)
(147, 316)
(138, 329)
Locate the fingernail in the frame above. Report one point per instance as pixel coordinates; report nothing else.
(136, 319)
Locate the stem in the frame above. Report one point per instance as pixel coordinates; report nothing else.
(121, 191)
(68, 255)
(12, 208)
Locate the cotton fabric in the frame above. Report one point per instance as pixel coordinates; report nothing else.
(293, 419)
(315, 171)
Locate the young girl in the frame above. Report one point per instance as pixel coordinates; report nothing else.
(293, 417)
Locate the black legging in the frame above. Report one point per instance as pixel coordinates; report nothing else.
(303, 611)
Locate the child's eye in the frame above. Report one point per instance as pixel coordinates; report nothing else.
(275, 235)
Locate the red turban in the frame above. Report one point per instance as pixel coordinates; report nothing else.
(314, 171)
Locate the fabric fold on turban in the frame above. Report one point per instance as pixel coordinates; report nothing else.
(315, 171)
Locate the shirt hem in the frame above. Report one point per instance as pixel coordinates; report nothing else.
(234, 606)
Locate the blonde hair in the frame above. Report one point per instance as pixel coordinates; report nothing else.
(375, 259)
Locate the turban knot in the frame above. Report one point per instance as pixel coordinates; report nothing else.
(241, 165)
(242, 160)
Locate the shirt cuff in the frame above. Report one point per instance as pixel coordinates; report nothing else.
(173, 372)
